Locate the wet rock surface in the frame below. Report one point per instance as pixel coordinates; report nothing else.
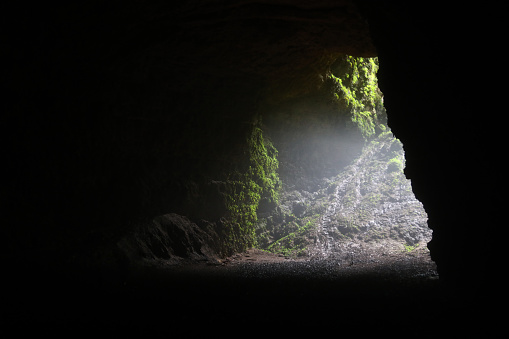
(369, 203)
(171, 237)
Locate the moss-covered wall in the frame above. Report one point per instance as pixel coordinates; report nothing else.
(356, 90)
(252, 182)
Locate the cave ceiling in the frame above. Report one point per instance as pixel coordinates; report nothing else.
(282, 43)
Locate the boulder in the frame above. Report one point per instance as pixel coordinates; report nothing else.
(171, 237)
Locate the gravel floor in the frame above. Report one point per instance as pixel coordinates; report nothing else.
(246, 294)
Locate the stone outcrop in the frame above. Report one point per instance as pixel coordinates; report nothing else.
(171, 238)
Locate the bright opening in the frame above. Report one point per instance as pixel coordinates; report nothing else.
(345, 196)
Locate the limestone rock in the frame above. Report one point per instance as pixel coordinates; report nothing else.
(170, 237)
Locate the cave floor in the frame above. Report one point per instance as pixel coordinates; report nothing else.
(252, 292)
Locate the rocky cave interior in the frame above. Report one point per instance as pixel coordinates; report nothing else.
(117, 113)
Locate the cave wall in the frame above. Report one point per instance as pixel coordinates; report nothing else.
(435, 107)
(129, 110)
(120, 112)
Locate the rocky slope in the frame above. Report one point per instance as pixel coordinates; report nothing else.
(368, 204)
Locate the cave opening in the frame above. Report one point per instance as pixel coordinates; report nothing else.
(323, 210)
(321, 177)
(344, 195)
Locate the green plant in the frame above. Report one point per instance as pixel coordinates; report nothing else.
(356, 88)
(246, 185)
(295, 243)
(395, 165)
(410, 248)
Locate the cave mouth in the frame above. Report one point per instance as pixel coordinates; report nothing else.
(322, 179)
(344, 195)
(363, 214)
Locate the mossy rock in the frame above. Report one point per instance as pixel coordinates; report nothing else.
(395, 165)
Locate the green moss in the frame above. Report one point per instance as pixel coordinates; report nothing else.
(371, 200)
(410, 248)
(395, 165)
(356, 88)
(294, 244)
(246, 185)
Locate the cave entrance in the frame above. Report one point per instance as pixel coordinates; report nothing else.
(344, 195)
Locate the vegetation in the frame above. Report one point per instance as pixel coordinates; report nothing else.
(295, 243)
(410, 248)
(246, 186)
(356, 89)
(292, 226)
(395, 164)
